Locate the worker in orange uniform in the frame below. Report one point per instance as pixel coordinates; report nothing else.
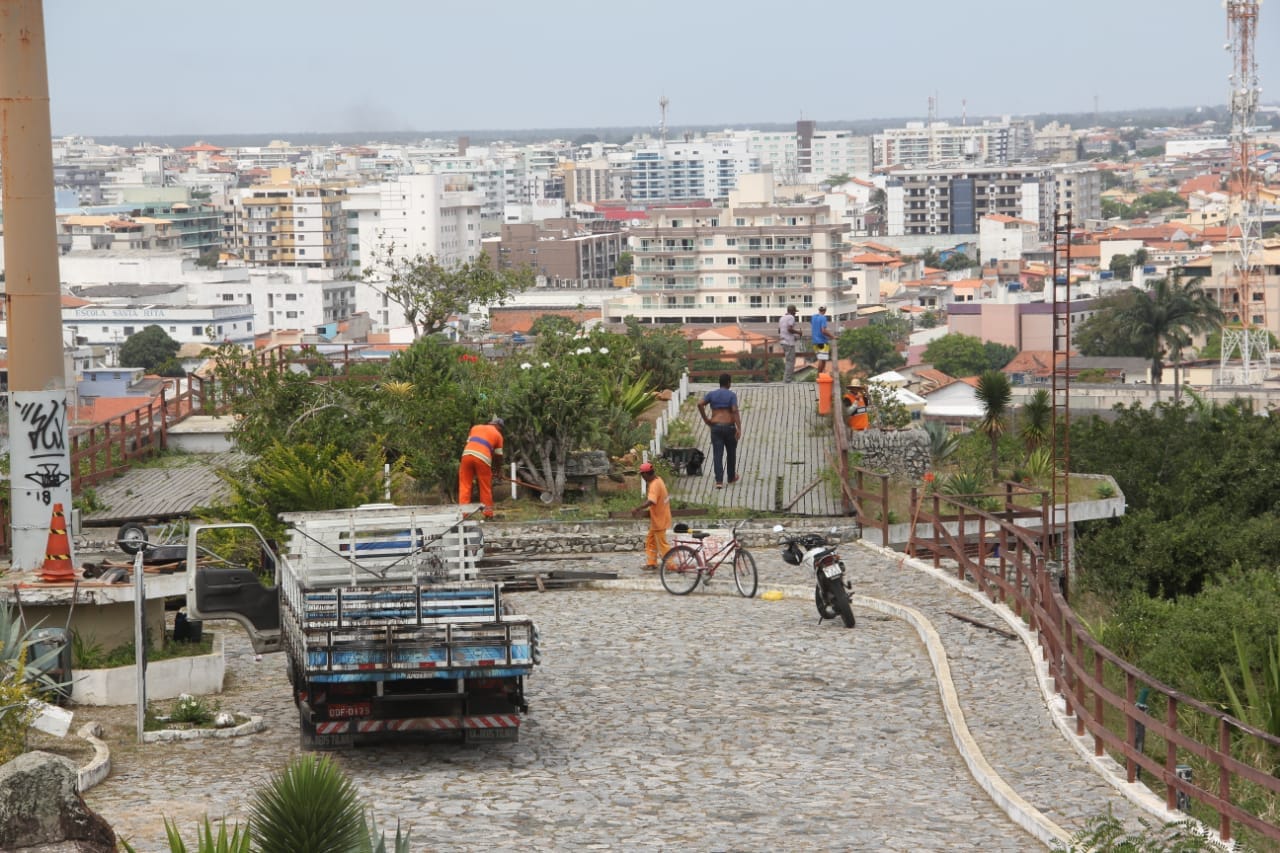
(658, 503)
(483, 449)
(855, 406)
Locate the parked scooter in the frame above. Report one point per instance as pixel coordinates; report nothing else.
(818, 555)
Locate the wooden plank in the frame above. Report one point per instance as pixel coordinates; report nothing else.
(784, 449)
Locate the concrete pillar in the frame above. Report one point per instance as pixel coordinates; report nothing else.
(40, 456)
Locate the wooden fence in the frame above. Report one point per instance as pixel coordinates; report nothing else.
(1204, 761)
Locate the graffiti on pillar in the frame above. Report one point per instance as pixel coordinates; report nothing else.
(44, 424)
(45, 429)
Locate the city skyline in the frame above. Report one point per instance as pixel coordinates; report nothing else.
(264, 68)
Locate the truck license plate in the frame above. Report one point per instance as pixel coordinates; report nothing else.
(506, 734)
(832, 571)
(345, 710)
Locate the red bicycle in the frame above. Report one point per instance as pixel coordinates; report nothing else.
(695, 558)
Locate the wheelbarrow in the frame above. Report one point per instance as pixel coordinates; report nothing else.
(132, 537)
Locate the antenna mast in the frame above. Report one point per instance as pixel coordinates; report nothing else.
(662, 124)
(1252, 341)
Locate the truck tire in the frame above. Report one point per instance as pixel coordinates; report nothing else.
(131, 537)
(306, 734)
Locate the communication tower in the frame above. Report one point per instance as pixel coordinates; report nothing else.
(1246, 332)
(662, 123)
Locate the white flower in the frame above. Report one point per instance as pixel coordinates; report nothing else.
(546, 364)
(525, 366)
(604, 350)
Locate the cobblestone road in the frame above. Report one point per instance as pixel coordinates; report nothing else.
(704, 723)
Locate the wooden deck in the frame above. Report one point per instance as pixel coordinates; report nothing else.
(785, 449)
(161, 491)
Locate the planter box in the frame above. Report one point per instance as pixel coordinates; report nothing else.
(198, 675)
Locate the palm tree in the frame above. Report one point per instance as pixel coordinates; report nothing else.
(1172, 310)
(995, 394)
(1037, 420)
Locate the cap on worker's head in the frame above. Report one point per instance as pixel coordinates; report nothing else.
(498, 422)
(791, 309)
(822, 309)
(646, 467)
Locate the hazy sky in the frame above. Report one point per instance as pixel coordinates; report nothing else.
(186, 67)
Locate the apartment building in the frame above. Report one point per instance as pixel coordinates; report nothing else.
(809, 155)
(428, 215)
(565, 252)
(921, 144)
(605, 178)
(952, 200)
(741, 263)
(1005, 238)
(1078, 190)
(288, 223)
(436, 215)
(686, 171)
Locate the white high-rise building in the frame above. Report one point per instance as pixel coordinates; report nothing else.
(687, 171)
(413, 215)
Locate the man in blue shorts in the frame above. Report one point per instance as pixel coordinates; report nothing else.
(821, 342)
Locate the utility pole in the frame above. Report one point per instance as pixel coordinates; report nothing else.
(40, 455)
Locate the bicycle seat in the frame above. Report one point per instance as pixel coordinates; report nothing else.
(699, 534)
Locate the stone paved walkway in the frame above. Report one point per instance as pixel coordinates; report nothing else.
(707, 722)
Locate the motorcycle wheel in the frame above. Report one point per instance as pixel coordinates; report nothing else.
(837, 604)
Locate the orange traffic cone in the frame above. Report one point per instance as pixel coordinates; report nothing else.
(57, 566)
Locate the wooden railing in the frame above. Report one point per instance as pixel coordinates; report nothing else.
(108, 448)
(1204, 761)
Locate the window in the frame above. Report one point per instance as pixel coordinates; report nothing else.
(756, 301)
(708, 241)
(709, 300)
(127, 331)
(173, 330)
(291, 315)
(733, 262)
(197, 330)
(733, 299)
(291, 297)
(228, 297)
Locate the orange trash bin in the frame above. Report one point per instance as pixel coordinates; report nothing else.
(825, 383)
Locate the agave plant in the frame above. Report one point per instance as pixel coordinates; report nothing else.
(308, 807)
(1040, 465)
(942, 442)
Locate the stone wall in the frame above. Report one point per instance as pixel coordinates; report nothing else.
(901, 452)
(510, 541)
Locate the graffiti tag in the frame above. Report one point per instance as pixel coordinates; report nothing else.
(46, 427)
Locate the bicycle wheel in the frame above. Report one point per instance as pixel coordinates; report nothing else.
(744, 573)
(679, 570)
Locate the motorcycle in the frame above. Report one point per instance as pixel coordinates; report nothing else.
(816, 554)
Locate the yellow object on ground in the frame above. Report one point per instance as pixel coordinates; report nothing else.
(772, 595)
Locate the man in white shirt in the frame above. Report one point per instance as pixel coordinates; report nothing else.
(787, 334)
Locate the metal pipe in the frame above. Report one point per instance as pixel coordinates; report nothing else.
(40, 458)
